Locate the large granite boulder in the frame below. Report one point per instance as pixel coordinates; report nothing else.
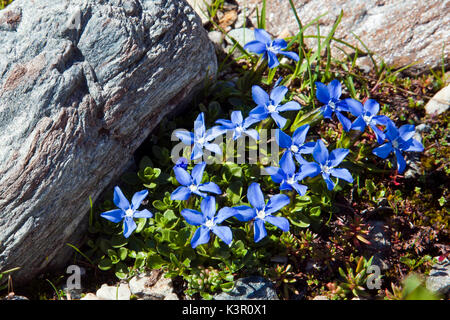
(82, 84)
(399, 31)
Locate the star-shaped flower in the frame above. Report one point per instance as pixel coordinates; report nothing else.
(127, 212)
(326, 165)
(399, 140)
(239, 125)
(269, 48)
(261, 212)
(270, 105)
(296, 145)
(192, 183)
(208, 221)
(330, 96)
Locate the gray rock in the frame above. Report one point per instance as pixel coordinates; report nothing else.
(440, 102)
(400, 31)
(90, 296)
(82, 84)
(321, 298)
(250, 288)
(201, 8)
(12, 296)
(241, 35)
(423, 127)
(119, 292)
(152, 286)
(439, 278)
(380, 243)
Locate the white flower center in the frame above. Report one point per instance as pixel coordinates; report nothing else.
(290, 180)
(271, 108)
(260, 214)
(395, 144)
(193, 188)
(129, 213)
(201, 140)
(325, 168)
(367, 119)
(332, 105)
(294, 148)
(239, 129)
(272, 48)
(209, 224)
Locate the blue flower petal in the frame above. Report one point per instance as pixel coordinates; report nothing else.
(383, 151)
(343, 174)
(255, 46)
(310, 169)
(260, 97)
(289, 106)
(359, 124)
(137, 199)
(337, 155)
(328, 181)
(225, 213)
(322, 93)
(277, 94)
(279, 222)
(290, 54)
(300, 188)
(236, 117)
(213, 148)
(320, 152)
(279, 120)
(346, 123)
(185, 136)
(210, 187)
(252, 133)
(354, 107)
(199, 125)
(299, 136)
(260, 230)
(193, 217)
(245, 213)
(197, 173)
(401, 163)
(287, 163)
(115, 215)
(201, 236)
(182, 176)
(273, 61)
(197, 152)
(262, 36)
(334, 87)
(414, 146)
(208, 207)
(119, 199)
(283, 140)
(224, 233)
(128, 226)
(143, 214)
(275, 173)
(255, 196)
(372, 107)
(180, 193)
(406, 131)
(276, 202)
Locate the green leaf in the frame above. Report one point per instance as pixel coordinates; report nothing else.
(154, 261)
(105, 264)
(123, 253)
(158, 204)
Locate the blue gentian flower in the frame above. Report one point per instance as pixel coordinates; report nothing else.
(326, 165)
(127, 212)
(329, 95)
(209, 222)
(270, 105)
(286, 175)
(201, 138)
(192, 183)
(296, 145)
(367, 116)
(262, 212)
(181, 163)
(399, 140)
(239, 125)
(269, 48)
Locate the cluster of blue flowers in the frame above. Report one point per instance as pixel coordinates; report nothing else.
(287, 175)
